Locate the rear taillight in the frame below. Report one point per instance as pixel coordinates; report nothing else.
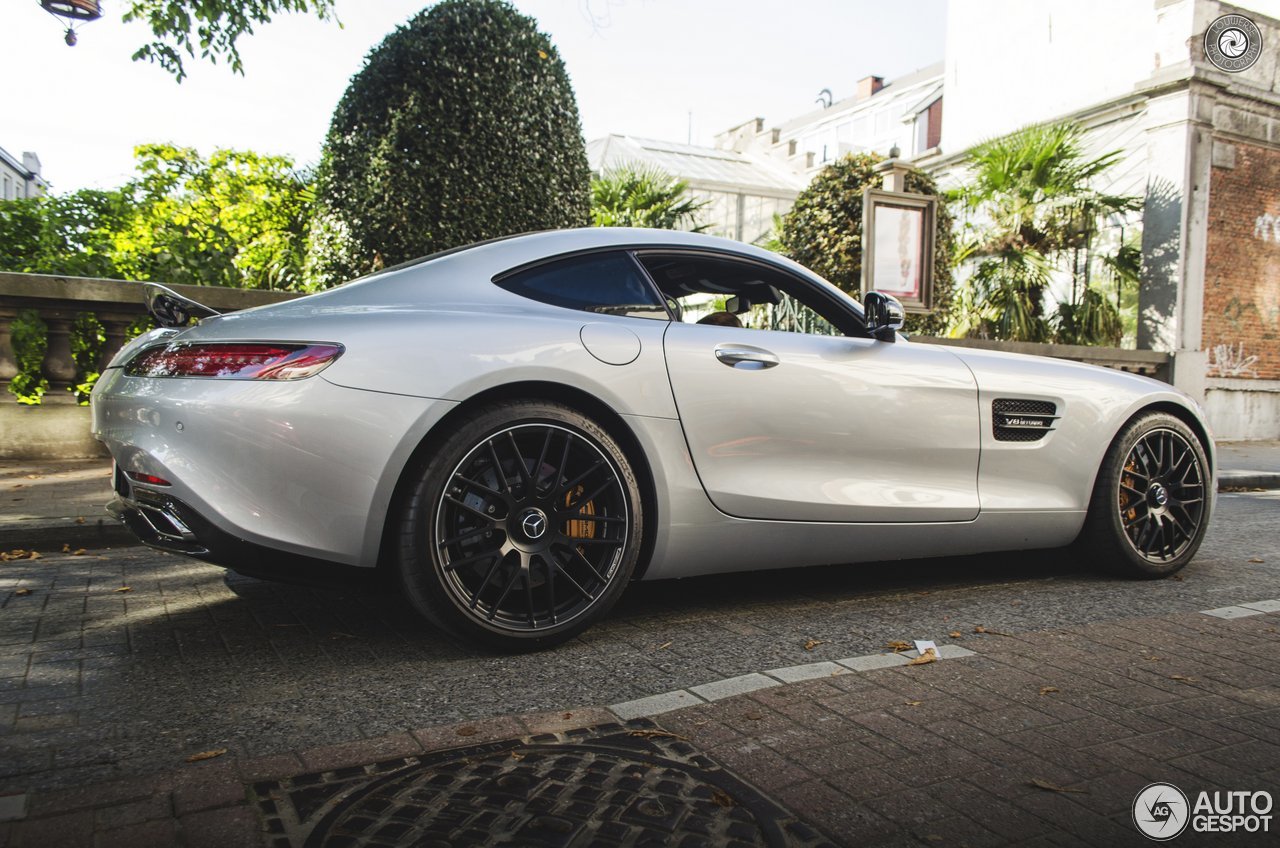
(235, 360)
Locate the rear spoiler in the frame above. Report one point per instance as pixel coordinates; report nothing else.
(171, 309)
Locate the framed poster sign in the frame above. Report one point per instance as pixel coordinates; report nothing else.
(897, 246)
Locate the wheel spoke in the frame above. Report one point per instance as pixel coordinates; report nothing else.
(568, 487)
(528, 593)
(551, 585)
(515, 448)
(476, 484)
(567, 576)
(506, 590)
(471, 560)
(497, 467)
(469, 508)
(542, 457)
(582, 516)
(467, 534)
(597, 493)
(488, 575)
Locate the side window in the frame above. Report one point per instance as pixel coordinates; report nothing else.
(703, 289)
(603, 283)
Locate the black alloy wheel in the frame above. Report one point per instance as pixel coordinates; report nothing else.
(1152, 499)
(1161, 496)
(525, 528)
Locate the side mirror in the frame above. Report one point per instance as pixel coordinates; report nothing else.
(884, 315)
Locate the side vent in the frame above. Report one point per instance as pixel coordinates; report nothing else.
(1022, 420)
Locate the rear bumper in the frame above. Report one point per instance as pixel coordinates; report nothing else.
(166, 523)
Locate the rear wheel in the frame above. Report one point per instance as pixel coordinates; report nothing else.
(523, 528)
(1151, 501)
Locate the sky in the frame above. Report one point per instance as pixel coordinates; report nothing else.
(667, 69)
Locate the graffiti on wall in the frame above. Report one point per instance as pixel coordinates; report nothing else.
(1267, 227)
(1230, 361)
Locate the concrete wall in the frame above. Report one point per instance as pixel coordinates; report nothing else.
(48, 431)
(1243, 409)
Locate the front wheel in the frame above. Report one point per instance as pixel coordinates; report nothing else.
(1152, 499)
(524, 527)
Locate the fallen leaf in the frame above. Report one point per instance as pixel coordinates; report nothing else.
(664, 646)
(1052, 787)
(722, 798)
(125, 589)
(1257, 559)
(33, 555)
(925, 592)
(516, 755)
(810, 644)
(929, 656)
(22, 592)
(1153, 658)
(19, 486)
(1177, 577)
(981, 629)
(33, 476)
(206, 755)
(752, 716)
(656, 734)
(566, 716)
(467, 731)
(1182, 678)
(912, 703)
(78, 552)
(66, 548)
(79, 519)
(898, 646)
(955, 634)
(1048, 690)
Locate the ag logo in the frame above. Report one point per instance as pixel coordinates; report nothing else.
(1233, 43)
(1161, 811)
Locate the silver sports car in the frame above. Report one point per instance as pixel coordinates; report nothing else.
(517, 429)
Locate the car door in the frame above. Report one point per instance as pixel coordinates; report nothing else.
(806, 427)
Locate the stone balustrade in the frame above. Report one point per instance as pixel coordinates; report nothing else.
(115, 303)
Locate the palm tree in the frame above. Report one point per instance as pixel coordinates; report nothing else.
(643, 196)
(1030, 208)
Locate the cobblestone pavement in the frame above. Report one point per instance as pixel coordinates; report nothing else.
(117, 665)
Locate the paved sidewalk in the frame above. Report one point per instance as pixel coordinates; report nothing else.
(1249, 464)
(1039, 739)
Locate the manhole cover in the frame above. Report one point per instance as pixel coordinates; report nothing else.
(607, 785)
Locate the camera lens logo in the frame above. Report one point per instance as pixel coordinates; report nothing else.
(1161, 811)
(1233, 43)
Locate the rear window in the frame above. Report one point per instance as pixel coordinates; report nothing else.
(603, 283)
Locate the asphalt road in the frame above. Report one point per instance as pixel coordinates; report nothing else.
(97, 683)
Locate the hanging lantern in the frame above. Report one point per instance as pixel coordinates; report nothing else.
(75, 11)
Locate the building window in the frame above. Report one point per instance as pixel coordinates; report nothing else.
(8, 190)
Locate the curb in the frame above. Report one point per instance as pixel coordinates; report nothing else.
(1248, 480)
(53, 533)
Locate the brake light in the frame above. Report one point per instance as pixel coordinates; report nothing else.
(235, 360)
(151, 479)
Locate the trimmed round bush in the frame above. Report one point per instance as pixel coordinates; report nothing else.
(462, 126)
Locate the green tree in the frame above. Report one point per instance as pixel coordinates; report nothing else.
(462, 126)
(1032, 211)
(238, 218)
(823, 231)
(71, 234)
(179, 26)
(643, 196)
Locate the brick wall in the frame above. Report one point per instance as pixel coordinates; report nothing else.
(1242, 272)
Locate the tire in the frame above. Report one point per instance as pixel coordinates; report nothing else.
(517, 559)
(1152, 500)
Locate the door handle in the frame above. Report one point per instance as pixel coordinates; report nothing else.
(746, 358)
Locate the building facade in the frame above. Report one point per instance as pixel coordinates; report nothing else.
(20, 178)
(743, 191)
